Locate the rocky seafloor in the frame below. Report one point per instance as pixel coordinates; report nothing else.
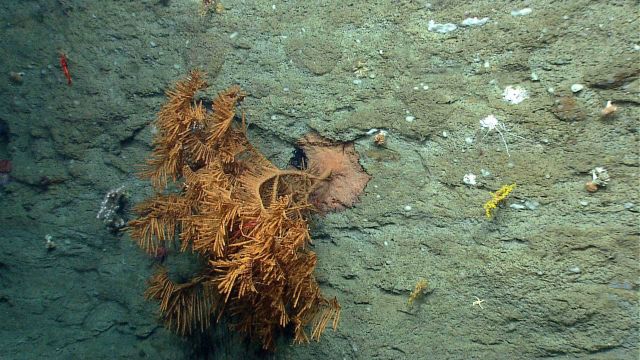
(554, 273)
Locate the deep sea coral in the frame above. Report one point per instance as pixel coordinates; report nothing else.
(243, 218)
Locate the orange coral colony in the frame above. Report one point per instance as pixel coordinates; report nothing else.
(245, 219)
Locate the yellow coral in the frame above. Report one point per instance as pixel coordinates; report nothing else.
(418, 291)
(496, 198)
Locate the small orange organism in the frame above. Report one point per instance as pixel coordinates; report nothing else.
(380, 138)
(496, 198)
(609, 110)
(418, 291)
(216, 5)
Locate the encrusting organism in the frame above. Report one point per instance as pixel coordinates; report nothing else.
(112, 209)
(243, 218)
(496, 198)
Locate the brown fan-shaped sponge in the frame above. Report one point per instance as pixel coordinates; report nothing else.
(347, 178)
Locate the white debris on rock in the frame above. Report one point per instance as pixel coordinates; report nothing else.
(600, 176)
(521, 12)
(576, 88)
(474, 21)
(469, 179)
(49, 243)
(517, 206)
(441, 28)
(514, 94)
